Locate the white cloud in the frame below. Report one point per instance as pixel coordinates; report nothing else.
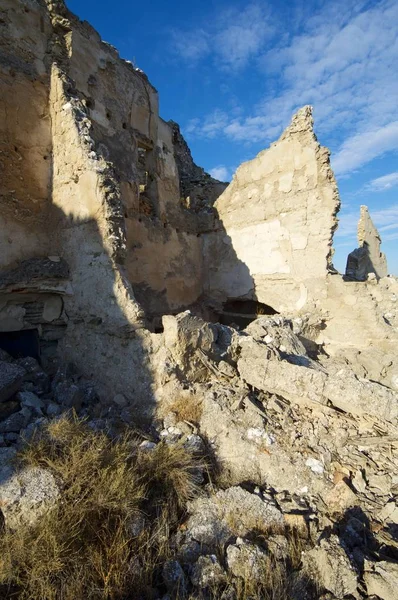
(221, 172)
(363, 147)
(191, 46)
(381, 184)
(232, 39)
(343, 62)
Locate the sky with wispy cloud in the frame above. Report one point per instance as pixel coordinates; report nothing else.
(232, 73)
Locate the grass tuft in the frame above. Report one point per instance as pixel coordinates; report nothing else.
(87, 546)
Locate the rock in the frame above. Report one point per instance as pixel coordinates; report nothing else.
(147, 445)
(174, 578)
(381, 579)
(340, 498)
(15, 422)
(189, 552)
(8, 408)
(11, 378)
(120, 400)
(53, 409)
(68, 394)
(5, 357)
(278, 546)
(30, 400)
(6, 455)
(232, 512)
(315, 465)
(34, 374)
(186, 335)
(26, 494)
(194, 444)
(329, 565)
(367, 261)
(246, 561)
(207, 572)
(265, 370)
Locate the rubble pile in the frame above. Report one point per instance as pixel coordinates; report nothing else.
(138, 293)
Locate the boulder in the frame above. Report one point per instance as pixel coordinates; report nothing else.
(26, 494)
(329, 565)
(246, 560)
(381, 579)
(11, 378)
(230, 513)
(207, 572)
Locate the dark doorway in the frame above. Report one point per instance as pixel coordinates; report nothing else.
(243, 312)
(20, 344)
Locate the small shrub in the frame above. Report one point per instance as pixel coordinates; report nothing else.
(84, 547)
(187, 407)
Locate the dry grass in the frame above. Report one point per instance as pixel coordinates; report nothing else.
(85, 546)
(187, 407)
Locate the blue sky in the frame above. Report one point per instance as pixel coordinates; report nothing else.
(233, 73)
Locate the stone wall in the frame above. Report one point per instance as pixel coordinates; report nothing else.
(25, 129)
(276, 222)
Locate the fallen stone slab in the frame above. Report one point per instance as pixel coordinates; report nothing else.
(11, 378)
(328, 564)
(381, 579)
(261, 368)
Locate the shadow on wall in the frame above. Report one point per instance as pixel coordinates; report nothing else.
(103, 337)
(238, 303)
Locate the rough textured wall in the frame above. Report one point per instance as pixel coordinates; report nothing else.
(90, 176)
(277, 219)
(367, 258)
(197, 188)
(25, 129)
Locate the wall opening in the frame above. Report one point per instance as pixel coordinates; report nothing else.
(20, 344)
(242, 312)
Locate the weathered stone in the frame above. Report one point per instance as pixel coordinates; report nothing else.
(246, 561)
(8, 408)
(11, 378)
(26, 494)
(68, 394)
(174, 578)
(207, 572)
(53, 409)
(367, 260)
(259, 367)
(15, 422)
(30, 400)
(230, 512)
(381, 579)
(331, 567)
(340, 498)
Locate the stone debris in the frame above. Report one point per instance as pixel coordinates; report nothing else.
(246, 560)
(25, 495)
(381, 579)
(367, 262)
(333, 567)
(138, 291)
(11, 378)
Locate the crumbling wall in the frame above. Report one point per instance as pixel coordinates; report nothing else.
(276, 222)
(164, 251)
(367, 258)
(25, 130)
(198, 189)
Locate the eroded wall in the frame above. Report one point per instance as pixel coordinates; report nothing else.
(25, 130)
(276, 221)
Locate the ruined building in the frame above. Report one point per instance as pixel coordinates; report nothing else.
(107, 224)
